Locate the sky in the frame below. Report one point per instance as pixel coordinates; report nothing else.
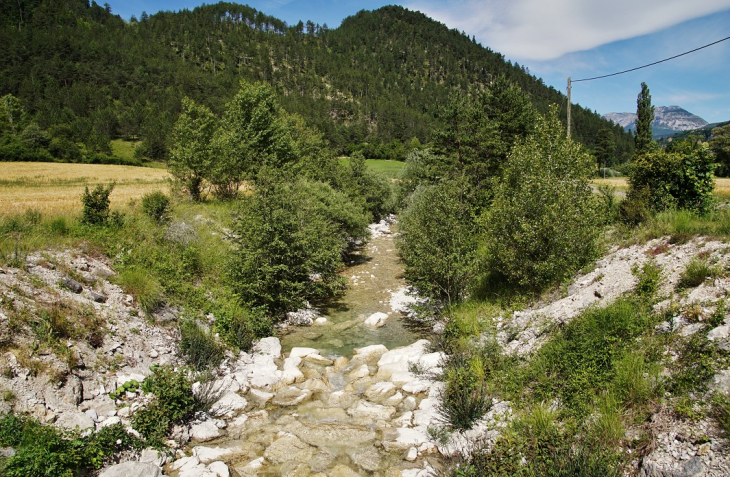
(556, 39)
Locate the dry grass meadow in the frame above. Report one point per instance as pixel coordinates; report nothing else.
(55, 189)
(722, 185)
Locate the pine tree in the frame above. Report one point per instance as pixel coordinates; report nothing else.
(644, 120)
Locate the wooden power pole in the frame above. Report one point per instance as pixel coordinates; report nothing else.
(569, 106)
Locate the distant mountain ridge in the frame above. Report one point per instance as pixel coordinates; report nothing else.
(667, 120)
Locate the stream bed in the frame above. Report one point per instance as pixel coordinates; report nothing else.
(339, 398)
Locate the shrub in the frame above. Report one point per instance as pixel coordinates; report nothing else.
(96, 204)
(467, 395)
(50, 452)
(156, 205)
(682, 178)
(142, 286)
(649, 276)
(240, 327)
(544, 222)
(721, 411)
(290, 239)
(198, 347)
(438, 241)
(174, 403)
(696, 272)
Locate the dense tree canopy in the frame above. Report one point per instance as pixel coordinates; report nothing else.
(86, 76)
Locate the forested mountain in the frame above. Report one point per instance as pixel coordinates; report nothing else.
(85, 76)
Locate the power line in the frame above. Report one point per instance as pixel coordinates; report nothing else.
(655, 63)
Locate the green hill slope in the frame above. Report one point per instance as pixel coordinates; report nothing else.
(85, 74)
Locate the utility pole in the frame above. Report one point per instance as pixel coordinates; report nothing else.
(568, 106)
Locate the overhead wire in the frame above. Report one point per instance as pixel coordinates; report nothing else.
(654, 63)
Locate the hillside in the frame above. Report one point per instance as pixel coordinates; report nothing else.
(85, 75)
(668, 120)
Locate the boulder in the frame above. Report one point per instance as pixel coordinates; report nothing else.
(229, 405)
(291, 396)
(371, 411)
(72, 285)
(206, 455)
(204, 432)
(73, 420)
(376, 319)
(299, 352)
(132, 469)
(381, 391)
(220, 469)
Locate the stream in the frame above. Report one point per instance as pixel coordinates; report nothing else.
(339, 398)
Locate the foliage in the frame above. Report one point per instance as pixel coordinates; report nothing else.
(45, 451)
(142, 286)
(174, 404)
(252, 137)
(289, 244)
(649, 276)
(721, 411)
(198, 347)
(191, 157)
(156, 205)
(466, 396)
(643, 140)
(143, 70)
(720, 145)
(239, 327)
(438, 240)
(696, 272)
(682, 178)
(543, 223)
(96, 204)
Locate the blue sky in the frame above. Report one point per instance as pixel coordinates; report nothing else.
(560, 38)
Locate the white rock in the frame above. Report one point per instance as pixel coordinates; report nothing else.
(185, 462)
(417, 386)
(259, 397)
(371, 411)
(92, 414)
(256, 463)
(376, 319)
(358, 373)
(405, 420)
(205, 431)
(412, 454)
(110, 421)
(152, 456)
(320, 321)
(270, 346)
(72, 420)
(219, 469)
(302, 352)
(378, 392)
(136, 469)
(317, 359)
(394, 400)
(719, 333)
(371, 351)
(125, 378)
(206, 455)
(406, 437)
(228, 405)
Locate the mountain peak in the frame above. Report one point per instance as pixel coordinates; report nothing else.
(667, 120)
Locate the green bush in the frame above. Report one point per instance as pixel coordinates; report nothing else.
(721, 411)
(198, 347)
(45, 451)
(696, 272)
(174, 403)
(96, 204)
(290, 239)
(438, 241)
(142, 286)
(544, 221)
(682, 178)
(239, 327)
(156, 205)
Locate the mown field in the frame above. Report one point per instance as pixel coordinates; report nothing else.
(52, 188)
(390, 169)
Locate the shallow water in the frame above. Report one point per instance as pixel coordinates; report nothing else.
(376, 274)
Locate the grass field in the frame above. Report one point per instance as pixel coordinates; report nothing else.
(722, 185)
(388, 168)
(53, 188)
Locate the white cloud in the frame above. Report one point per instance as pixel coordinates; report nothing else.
(545, 30)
